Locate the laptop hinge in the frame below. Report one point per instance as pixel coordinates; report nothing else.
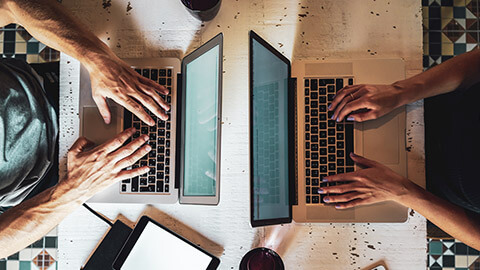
(292, 84)
(178, 131)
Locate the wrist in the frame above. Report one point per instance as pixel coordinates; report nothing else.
(412, 194)
(408, 91)
(67, 193)
(94, 59)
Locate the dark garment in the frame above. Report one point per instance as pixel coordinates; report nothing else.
(452, 146)
(28, 132)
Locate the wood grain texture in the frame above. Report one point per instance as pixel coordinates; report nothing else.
(313, 29)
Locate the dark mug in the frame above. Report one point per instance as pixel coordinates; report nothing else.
(261, 259)
(204, 10)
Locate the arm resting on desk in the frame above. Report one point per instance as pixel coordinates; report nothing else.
(89, 171)
(112, 78)
(377, 183)
(459, 72)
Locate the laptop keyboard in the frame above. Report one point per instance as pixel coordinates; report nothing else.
(158, 179)
(328, 143)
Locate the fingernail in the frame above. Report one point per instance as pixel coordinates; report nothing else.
(326, 199)
(148, 147)
(338, 206)
(321, 191)
(333, 117)
(147, 169)
(353, 154)
(145, 138)
(324, 180)
(350, 118)
(329, 107)
(151, 123)
(338, 119)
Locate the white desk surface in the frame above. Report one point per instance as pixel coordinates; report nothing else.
(315, 29)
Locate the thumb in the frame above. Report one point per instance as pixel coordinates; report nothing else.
(103, 108)
(362, 116)
(362, 161)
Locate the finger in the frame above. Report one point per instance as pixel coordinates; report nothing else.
(157, 87)
(80, 144)
(122, 175)
(131, 159)
(103, 108)
(364, 162)
(356, 202)
(341, 188)
(363, 116)
(136, 109)
(151, 105)
(349, 108)
(118, 141)
(129, 149)
(346, 197)
(347, 100)
(341, 94)
(150, 91)
(351, 176)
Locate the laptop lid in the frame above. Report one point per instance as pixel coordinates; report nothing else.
(272, 135)
(199, 122)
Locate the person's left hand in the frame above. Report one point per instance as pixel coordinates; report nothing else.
(375, 183)
(112, 78)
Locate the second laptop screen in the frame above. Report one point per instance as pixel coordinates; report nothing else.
(270, 135)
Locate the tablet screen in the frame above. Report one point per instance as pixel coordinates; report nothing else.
(157, 248)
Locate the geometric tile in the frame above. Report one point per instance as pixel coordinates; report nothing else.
(43, 260)
(461, 261)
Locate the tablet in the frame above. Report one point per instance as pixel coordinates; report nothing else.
(153, 246)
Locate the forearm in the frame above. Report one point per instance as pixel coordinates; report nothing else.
(32, 219)
(447, 216)
(460, 71)
(51, 24)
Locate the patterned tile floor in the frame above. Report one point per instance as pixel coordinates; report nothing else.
(16, 42)
(450, 27)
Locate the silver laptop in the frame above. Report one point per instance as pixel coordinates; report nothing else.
(294, 143)
(185, 158)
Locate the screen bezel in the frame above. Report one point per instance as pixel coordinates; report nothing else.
(208, 200)
(132, 240)
(291, 134)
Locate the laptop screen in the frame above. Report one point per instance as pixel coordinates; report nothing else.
(201, 103)
(269, 135)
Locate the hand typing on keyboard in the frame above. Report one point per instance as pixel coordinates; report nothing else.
(112, 78)
(375, 183)
(365, 102)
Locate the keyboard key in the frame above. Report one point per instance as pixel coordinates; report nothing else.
(331, 166)
(144, 130)
(167, 179)
(307, 136)
(314, 147)
(315, 182)
(315, 156)
(323, 117)
(339, 127)
(331, 97)
(314, 190)
(349, 169)
(167, 161)
(323, 168)
(139, 71)
(323, 151)
(340, 153)
(151, 162)
(315, 130)
(160, 175)
(323, 160)
(331, 132)
(340, 145)
(169, 73)
(314, 95)
(322, 91)
(307, 109)
(166, 188)
(331, 123)
(314, 121)
(349, 143)
(314, 138)
(307, 172)
(338, 84)
(315, 199)
(331, 158)
(350, 81)
(340, 162)
(314, 164)
(124, 188)
(314, 84)
(307, 82)
(340, 136)
(307, 145)
(323, 125)
(146, 73)
(307, 92)
(323, 142)
(162, 81)
(307, 163)
(314, 112)
(307, 154)
(307, 180)
(307, 199)
(323, 134)
(307, 118)
(331, 140)
(315, 173)
(314, 104)
(340, 170)
(331, 89)
(331, 149)
(322, 108)
(167, 170)
(151, 179)
(159, 186)
(307, 191)
(143, 181)
(307, 101)
(322, 99)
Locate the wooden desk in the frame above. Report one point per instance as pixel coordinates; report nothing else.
(315, 29)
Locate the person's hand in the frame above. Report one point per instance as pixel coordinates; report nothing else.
(112, 78)
(364, 102)
(91, 171)
(375, 183)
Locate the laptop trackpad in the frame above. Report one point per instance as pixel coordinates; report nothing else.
(95, 129)
(381, 139)
(329, 213)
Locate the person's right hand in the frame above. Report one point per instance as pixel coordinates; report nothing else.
(373, 101)
(91, 171)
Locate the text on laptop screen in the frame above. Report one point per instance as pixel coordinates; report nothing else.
(270, 135)
(158, 249)
(201, 114)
